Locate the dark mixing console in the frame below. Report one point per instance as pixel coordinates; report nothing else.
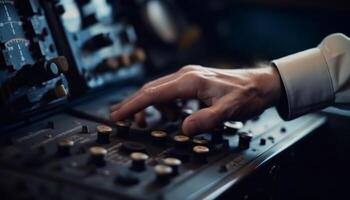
(62, 64)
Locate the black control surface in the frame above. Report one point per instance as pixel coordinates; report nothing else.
(86, 157)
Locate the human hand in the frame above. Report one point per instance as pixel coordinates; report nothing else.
(229, 94)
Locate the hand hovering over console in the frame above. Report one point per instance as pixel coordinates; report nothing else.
(229, 94)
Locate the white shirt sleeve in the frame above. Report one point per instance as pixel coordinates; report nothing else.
(316, 78)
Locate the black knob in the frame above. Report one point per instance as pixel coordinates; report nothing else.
(163, 172)
(103, 134)
(123, 128)
(174, 163)
(159, 137)
(181, 141)
(232, 127)
(200, 153)
(244, 140)
(138, 161)
(97, 156)
(64, 147)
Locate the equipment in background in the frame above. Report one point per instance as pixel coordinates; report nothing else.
(31, 69)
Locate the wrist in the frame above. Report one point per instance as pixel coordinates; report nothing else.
(270, 84)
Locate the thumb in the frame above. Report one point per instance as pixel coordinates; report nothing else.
(205, 119)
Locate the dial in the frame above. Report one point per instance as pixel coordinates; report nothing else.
(17, 51)
(16, 46)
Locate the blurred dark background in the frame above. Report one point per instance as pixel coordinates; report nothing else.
(250, 30)
(242, 32)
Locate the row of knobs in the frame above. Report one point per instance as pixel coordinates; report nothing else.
(123, 60)
(165, 171)
(199, 148)
(159, 138)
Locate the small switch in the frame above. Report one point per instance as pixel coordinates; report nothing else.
(262, 141)
(85, 129)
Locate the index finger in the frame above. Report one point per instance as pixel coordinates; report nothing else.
(158, 94)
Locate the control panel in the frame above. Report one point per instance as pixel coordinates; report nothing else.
(68, 61)
(102, 44)
(51, 50)
(31, 70)
(76, 158)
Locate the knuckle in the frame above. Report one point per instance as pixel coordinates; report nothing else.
(192, 76)
(189, 68)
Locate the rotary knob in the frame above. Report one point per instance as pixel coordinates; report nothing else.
(244, 140)
(200, 153)
(231, 127)
(159, 137)
(123, 128)
(103, 134)
(97, 156)
(174, 163)
(163, 173)
(138, 161)
(64, 147)
(181, 141)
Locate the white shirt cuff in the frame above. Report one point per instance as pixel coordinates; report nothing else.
(307, 83)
